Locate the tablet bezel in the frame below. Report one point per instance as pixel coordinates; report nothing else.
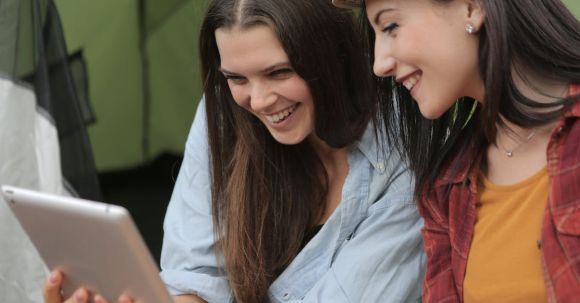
(95, 244)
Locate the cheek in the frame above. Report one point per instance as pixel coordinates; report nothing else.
(297, 90)
(240, 95)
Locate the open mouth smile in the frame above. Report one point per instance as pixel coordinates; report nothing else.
(281, 115)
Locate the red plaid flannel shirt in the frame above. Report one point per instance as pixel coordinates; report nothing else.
(449, 223)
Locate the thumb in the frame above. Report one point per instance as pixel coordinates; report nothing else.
(52, 287)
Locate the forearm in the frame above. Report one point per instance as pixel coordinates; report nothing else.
(188, 299)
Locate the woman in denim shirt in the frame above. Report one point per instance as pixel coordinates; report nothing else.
(287, 165)
(285, 193)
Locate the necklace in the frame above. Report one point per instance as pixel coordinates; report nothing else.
(510, 152)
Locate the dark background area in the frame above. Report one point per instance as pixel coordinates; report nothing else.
(145, 192)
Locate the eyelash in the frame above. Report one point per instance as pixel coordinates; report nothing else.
(389, 28)
(235, 79)
(280, 72)
(274, 74)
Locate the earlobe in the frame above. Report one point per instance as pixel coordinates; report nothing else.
(475, 14)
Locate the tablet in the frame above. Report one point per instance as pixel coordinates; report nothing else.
(95, 244)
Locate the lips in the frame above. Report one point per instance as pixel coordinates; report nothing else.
(281, 115)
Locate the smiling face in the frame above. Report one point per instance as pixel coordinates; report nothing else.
(424, 45)
(262, 81)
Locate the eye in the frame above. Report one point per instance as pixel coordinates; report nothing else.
(280, 73)
(390, 28)
(234, 79)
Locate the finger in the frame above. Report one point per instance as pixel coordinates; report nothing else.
(80, 295)
(100, 299)
(124, 298)
(51, 290)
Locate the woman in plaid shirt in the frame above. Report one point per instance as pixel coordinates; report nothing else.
(485, 95)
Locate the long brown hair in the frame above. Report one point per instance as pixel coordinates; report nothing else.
(265, 194)
(542, 37)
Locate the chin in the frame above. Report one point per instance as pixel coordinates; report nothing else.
(432, 108)
(288, 140)
(431, 113)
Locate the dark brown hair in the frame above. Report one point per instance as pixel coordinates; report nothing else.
(540, 37)
(265, 194)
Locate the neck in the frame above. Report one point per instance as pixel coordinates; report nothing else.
(335, 161)
(331, 157)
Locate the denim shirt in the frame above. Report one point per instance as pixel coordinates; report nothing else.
(369, 250)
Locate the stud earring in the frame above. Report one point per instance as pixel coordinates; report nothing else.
(470, 28)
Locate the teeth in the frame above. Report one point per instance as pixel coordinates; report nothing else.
(275, 118)
(410, 83)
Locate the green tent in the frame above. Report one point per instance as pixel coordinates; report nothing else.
(143, 76)
(144, 82)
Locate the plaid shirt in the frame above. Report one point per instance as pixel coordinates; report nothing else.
(449, 222)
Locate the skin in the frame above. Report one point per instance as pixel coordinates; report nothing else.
(262, 82)
(427, 42)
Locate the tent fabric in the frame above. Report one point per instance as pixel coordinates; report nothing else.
(30, 152)
(144, 81)
(44, 144)
(29, 157)
(33, 54)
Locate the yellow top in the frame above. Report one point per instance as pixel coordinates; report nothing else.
(504, 262)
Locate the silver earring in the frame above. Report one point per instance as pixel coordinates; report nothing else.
(470, 28)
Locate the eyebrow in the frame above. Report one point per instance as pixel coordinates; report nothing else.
(379, 13)
(264, 71)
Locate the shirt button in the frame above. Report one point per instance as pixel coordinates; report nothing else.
(539, 244)
(381, 166)
(286, 296)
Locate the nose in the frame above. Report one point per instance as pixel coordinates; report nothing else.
(261, 97)
(384, 65)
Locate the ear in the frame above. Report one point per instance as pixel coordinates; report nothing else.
(475, 13)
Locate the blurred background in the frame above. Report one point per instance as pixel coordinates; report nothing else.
(143, 84)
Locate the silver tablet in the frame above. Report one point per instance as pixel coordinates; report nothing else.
(95, 244)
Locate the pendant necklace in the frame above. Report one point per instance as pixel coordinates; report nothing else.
(510, 152)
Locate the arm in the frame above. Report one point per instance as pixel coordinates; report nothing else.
(187, 299)
(188, 262)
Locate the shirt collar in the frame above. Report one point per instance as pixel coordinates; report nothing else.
(457, 170)
(370, 146)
